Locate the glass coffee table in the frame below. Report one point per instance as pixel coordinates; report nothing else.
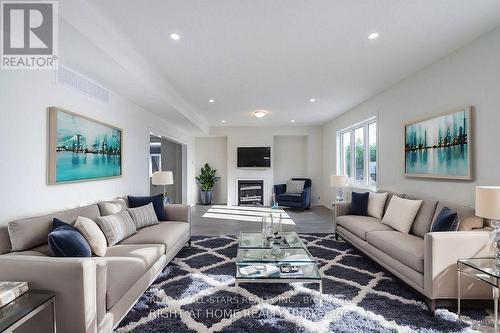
(483, 269)
(289, 262)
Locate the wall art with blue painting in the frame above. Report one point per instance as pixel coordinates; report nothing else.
(82, 148)
(440, 147)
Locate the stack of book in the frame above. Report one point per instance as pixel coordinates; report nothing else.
(9, 291)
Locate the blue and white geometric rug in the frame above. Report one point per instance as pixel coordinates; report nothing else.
(196, 293)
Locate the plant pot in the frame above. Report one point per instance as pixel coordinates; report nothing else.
(206, 197)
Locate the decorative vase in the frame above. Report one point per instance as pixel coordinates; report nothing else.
(495, 237)
(206, 197)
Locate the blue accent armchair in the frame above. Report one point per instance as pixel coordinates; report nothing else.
(302, 201)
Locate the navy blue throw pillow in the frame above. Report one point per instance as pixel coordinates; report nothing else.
(157, 201)
(66, 241)
(447, 220)
(359, 203)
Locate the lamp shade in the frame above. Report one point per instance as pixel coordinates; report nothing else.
(338, 181)
(488, 202)
(162, 178)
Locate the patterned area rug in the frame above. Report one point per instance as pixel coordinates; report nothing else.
(196, 293)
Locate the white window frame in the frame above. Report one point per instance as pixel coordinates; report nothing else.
(366, 142)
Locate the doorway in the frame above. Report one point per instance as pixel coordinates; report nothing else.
(167, 155)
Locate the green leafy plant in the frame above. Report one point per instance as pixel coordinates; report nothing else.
(207, 178)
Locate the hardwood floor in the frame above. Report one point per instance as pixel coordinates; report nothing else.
(317, 219)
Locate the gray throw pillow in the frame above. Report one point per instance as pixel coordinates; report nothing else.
(116, 227)
(143, 216)
(295, 186)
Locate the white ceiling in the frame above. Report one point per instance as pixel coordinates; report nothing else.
(277, 54)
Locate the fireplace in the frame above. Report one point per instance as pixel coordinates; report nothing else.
(251, 192)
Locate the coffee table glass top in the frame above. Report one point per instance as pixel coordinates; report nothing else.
(266, 256)
(256, 240)
(309, 271)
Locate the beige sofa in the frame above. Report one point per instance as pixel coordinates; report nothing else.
(424, 260)
(93, 294)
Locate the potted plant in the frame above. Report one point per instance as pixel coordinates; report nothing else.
(207, 180)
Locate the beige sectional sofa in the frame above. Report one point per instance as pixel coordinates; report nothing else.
(424, 260)
(92, 294)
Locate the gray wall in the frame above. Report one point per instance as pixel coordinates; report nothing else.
(214, 152)
(290, 157)
(469, 76)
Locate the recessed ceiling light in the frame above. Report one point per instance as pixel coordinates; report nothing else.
(211, 100)
(260, 113)
(312, 100)
(292, 121)
(373, 35)
(223, 121)
(175, 36)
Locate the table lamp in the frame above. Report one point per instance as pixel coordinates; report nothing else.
(339, 182)
(488, 207)
(163, 178)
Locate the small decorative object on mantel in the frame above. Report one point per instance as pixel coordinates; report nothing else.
(163, 178)
(440, 146)
(9, 291)
(207, 180)
(488, 207)
(81, 148)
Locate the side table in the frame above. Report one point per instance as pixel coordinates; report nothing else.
(23, 308)
(482, 269)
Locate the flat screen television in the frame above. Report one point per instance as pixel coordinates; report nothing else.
(254, 157)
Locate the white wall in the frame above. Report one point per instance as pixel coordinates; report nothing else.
(24, 98)
(213, 150)
(290, 157)
(264, 136)
(470, 76)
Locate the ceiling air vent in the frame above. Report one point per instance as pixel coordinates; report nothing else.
(82, 84)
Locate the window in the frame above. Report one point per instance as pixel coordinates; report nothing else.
(154, 163)
(358, 153)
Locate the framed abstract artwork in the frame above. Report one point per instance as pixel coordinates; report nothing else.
(440, 146)
(81, 148)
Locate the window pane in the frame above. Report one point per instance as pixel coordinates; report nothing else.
(359, 154)
(372, 135)
(346, 159)
(154, 163)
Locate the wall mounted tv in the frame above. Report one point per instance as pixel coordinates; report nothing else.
(254, 157)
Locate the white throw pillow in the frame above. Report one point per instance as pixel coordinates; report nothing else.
(295, 186)
(92, 234)
(112, 207)
(401, 213)
(376, 204)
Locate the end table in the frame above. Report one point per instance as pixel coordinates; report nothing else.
(23, 308)
(482, 269)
